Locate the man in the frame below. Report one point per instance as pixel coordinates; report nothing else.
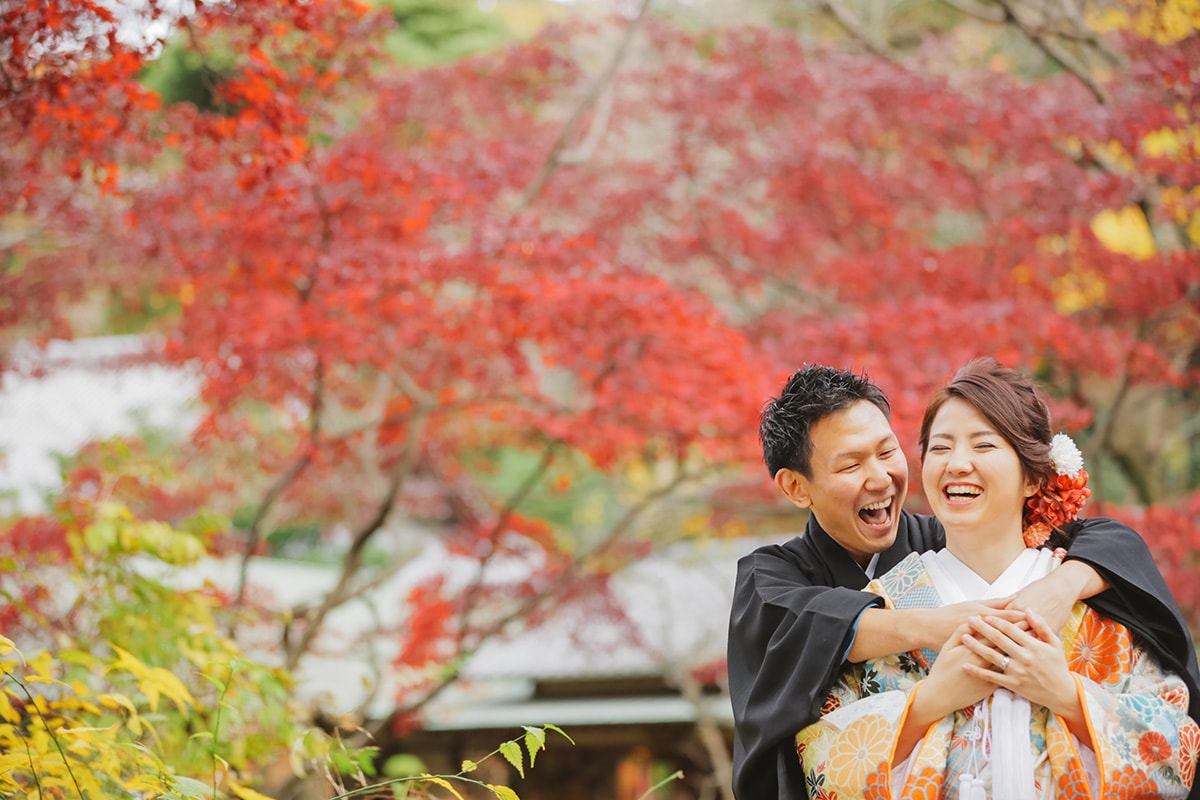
(798, 614)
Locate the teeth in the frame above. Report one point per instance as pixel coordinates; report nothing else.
(971, 490)
(878, 505)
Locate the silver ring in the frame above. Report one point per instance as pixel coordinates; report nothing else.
(1004, 663)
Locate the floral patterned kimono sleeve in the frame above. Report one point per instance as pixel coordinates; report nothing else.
(1144, 740)
(848, 752)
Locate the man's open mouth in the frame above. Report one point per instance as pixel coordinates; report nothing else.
(877, 513)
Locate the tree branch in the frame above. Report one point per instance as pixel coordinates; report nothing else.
(290, 476)
(602, 81)
(622, 526)
(850, 24)
(972, 9)
(1054, 51)
(345, 589)
(510, 506)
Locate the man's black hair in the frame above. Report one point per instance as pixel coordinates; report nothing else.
(812, 393)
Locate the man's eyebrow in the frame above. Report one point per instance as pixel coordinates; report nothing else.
(891, 437)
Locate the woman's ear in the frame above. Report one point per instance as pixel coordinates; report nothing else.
(1033, 486)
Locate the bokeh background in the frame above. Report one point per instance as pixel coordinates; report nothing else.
(379, 381)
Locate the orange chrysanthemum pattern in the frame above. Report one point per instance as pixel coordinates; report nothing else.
(1058, 746)
(877, 784)
(859, 750)
(1153, 747)
(1100, 650)
(1189, 752)
(1072, 785)
(1131, 783)
(1177, 696)
(927, 785)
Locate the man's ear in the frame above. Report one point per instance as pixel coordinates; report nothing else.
(794, 486)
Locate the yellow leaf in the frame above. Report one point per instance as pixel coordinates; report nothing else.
(6, 646)
(1124, 231)
(11, 762)
(1078, 290)
(1162, 143)
(503, 792)
(245, 793)
(442, 782)
(126, 661)
(164, 682)
(145, 782)
(6, 709)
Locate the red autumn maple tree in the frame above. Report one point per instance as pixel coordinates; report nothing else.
(414, 272)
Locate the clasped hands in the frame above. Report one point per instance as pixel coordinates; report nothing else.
(1001, 646)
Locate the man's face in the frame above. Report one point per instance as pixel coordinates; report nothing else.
(859, 480)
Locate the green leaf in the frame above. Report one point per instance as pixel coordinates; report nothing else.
(535, 740)
(191, 788)
(513, 755)
(220, 686)
(559, 731)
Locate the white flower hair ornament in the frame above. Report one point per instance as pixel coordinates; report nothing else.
(1065, 456)
(1060, 499)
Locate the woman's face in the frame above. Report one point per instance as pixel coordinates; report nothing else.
(971, 474)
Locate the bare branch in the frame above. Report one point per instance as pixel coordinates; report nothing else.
(584, 150)
(1054, 51)
(510, 506)
(315, 418)
(852, 26)
(619, 529)
(345, 588)
(973, 9)
(602, 81)
(281, 484)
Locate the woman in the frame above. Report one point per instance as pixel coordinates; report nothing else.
(1001, 711)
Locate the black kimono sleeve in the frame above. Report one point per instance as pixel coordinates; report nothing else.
(794, 611)
(1138, 598)
(785, 646)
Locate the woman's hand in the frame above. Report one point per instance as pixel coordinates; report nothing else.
(948, 688)
(956, 679)
(1030, 662)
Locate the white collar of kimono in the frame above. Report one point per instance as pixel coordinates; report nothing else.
(956, 582)
(1012, 762)
(872, 565)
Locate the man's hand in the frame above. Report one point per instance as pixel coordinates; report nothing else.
(886, 631)
(938, 626)
(1053, 596)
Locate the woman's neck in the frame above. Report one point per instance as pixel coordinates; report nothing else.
(987, 556)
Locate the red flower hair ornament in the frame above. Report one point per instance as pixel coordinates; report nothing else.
(1060, 499)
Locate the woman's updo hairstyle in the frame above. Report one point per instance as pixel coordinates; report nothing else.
(1012, 403)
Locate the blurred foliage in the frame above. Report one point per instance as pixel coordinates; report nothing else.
(438, 31)
(127, 684)
(183, 74)
(426, 32)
